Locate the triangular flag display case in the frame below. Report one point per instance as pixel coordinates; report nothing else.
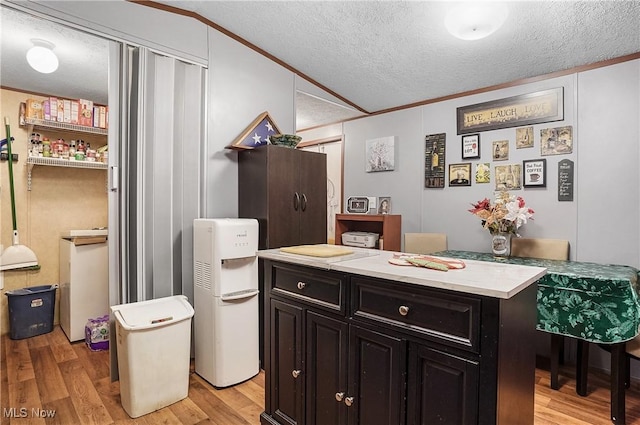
(256, 134)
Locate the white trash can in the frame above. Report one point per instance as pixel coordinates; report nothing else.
(154, 350)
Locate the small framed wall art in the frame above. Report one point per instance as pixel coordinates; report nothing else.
(534, 172)
(460, 174)
(471, 146)
(500, 150)
(380, 154)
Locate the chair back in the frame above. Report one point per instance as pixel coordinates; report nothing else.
(549, 249)
(424, 243)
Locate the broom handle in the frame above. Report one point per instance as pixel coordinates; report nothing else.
(10, 161)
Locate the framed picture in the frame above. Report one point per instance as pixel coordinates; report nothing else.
(500, 150)
(556, 141)
(434, 166)
(460, 174)
(534, 173)
(524, 137)
(507, 177)
(483, 172)
(380, 154)
(471, 146)
(384, 205)
(515, 111)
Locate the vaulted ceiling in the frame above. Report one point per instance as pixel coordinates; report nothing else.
(375, 55)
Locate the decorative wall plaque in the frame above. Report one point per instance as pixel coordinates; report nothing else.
(434, 172)
(532, 108)
(565, 180)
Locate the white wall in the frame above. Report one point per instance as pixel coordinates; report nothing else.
(242, 85)
(601, 224)
(447, 209)
(404, 183)
(607, 164)
(601, 105)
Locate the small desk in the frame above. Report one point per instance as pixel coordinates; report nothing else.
(590, 302)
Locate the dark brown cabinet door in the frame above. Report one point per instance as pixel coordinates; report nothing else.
(327, 342)
(286, 191)
(287, 369)
(377, 370)
(313, 202)
(283, 220)
(442, 388)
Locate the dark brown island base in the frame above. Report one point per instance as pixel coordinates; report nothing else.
(353, 339)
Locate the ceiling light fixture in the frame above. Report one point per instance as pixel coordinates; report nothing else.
(41, 56)
(475, 20)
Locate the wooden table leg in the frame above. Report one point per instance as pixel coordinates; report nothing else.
(618, 372)
(556, 341)
(582, 367)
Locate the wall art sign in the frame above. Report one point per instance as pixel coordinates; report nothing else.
(500, 150)
(565, 180)
(507, 177)
(471, 146)
(532, 108)
(524, 137)
(534, 173)
(460, 174)
(556, 141)
(380, 155)
(434, 172)
(483, 172)
(256, 134)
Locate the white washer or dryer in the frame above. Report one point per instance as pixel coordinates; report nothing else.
(84, 280)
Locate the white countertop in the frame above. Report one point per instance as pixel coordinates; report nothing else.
(478, 277)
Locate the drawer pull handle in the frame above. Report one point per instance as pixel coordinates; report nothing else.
(296, 373)
(339, 396)
(301, 285)
(403, 310)
(348, 401)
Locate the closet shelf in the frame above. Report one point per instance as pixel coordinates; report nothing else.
(65, 126)
(57, 162)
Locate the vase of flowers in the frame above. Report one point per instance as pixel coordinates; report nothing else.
(502, 218)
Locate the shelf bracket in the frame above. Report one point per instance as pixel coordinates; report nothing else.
(29, 168)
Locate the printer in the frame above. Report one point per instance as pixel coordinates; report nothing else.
(360, 239)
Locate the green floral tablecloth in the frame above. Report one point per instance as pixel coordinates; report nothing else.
(595, 302)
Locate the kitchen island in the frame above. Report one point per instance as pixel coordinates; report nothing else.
(353, 339)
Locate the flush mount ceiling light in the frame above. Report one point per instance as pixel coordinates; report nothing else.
(475, 20)
(41, 56)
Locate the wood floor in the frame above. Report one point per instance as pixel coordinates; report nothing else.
(46, 374)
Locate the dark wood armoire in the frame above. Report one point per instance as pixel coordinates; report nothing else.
(285, 189)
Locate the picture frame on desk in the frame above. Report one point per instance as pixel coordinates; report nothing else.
(384, 205)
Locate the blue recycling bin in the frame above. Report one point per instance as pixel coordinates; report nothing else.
(31, 311)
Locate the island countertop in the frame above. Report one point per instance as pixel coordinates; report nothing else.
(498, 280)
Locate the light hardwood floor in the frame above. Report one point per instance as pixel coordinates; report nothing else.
(47, 373)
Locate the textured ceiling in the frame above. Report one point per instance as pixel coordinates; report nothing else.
(83, 58)
(384, 54)
(375, 55)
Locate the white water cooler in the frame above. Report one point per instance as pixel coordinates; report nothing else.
(226, 300)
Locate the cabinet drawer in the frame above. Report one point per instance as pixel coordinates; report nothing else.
(449, 319)
(322, 288)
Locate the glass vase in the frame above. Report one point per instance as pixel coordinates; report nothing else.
(501, 244)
